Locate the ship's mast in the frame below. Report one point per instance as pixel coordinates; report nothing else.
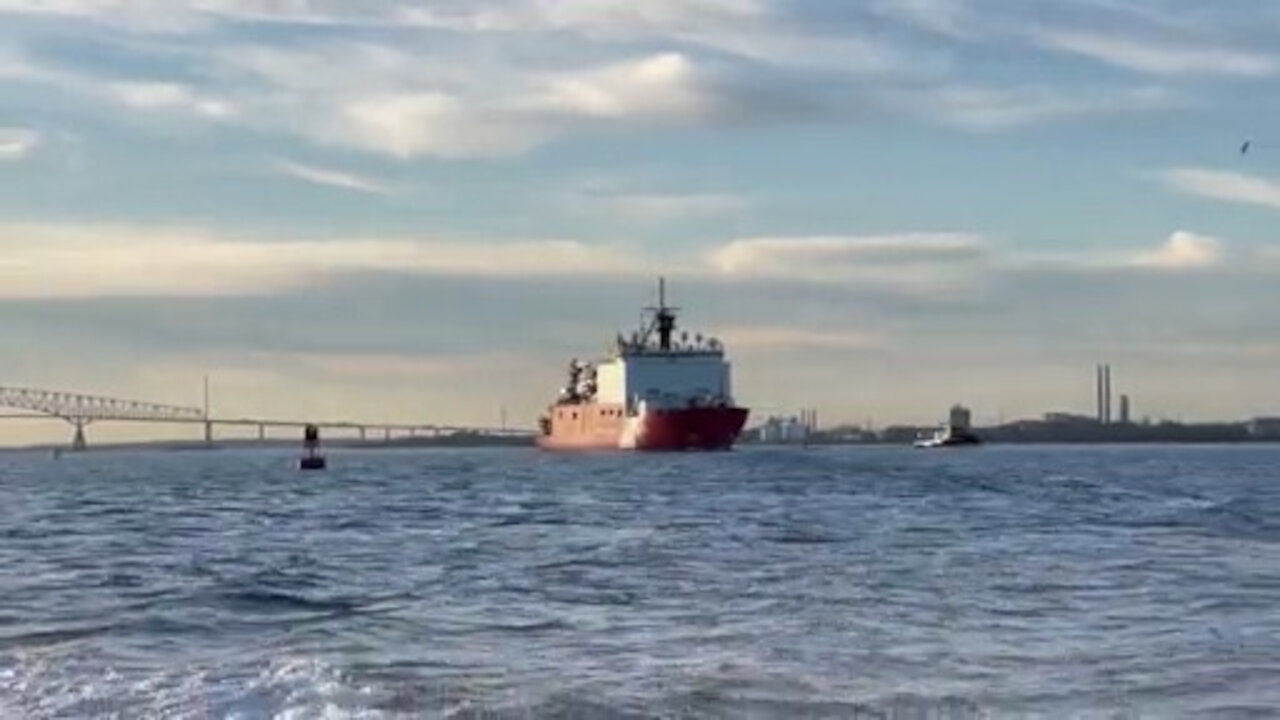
(664, 317)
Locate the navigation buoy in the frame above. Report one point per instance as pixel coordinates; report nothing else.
(312, 460)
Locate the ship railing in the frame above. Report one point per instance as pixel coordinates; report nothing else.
(653, 349)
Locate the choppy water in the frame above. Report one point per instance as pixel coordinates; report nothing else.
(1136, 582)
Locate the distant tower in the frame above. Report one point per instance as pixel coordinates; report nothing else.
(1106, 374)
(1124, 409)
(1098, 384)
(1104, 394)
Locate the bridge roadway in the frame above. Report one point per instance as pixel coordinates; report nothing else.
(81, 410)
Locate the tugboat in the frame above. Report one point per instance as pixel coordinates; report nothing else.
(957, 432)
(655, 391)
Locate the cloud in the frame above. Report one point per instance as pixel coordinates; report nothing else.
(607, 18)
(640, 197)
(1160, 59)
(988, 109)
(431, 124)
(837, 258)
(949, 18)
(187, 16)
(499, 78)
(695, 63)
(664, 207)
(330, 178)
(665, 87)
(135, 94)
(1183, 251)
(1222, 185)
(103, 260)
(760, 31)
(58, 261)
(380, 365)
(785, 338)
(910, 266)
(508, 112)
(49, 261)
(408, 105)
(165, 96)
(17, 143)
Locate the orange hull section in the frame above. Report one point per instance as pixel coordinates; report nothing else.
(592, 427)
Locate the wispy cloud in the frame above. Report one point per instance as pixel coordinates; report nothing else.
(534, 72)
(330, 178)
(664, 87)
(1224, 185)
(168, 96)
(179, 17)
(17, 143)
(381, 365)
(922, 265)
(837, 257)
(990, 109)
(1160, 59)
(101, 260)
(49, 261)
(761, 31)
(1183, 251)
(790, 338)
(660, 207)
(409, 125)
(949, 18)
(405, 105)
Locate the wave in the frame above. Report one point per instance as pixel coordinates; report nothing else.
(270, 600)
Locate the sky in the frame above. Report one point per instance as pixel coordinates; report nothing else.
(420, 211)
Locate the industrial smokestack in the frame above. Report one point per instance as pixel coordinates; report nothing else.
(1107, 378)
(1097, 390)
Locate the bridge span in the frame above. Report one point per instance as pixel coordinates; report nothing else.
(81, 410)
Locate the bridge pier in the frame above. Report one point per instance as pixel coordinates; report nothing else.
(208, 432)
(364, 431)
(386, 433)
(78, 442)
(262, 432)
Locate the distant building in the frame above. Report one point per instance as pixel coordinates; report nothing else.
(1267, 427)
(783, 430)
(1124, 409)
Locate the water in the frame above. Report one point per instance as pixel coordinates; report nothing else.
(994, 582)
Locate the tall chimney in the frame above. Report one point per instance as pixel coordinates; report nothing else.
(1107, 376)
(1097, 391)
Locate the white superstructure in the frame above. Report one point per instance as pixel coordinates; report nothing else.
(675, 378)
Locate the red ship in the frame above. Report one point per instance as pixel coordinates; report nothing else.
(652, 393)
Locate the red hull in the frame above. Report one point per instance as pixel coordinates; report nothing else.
(714, 428)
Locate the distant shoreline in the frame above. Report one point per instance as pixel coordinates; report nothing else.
(1061, 433)
(444, 441)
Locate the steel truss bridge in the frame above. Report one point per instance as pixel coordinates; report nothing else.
(81, 410)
